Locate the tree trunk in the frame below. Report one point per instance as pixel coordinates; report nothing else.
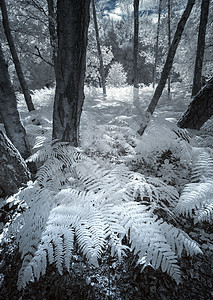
(72, 27)
(200, 109)
(169, 45)
(103, 82)
(13, 170)
(135, 47)
(9, 113)
(52, 30)
(169, 62)
(157, 43)
(200, 47)
(16, 61)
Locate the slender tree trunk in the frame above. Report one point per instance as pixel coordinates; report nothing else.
(16, 61)
(135, 46)
(169, 44)
(103, 82)
(200, 109)
(72, 27)
(169, 62)
(157, 44)
(52, 30)
(200, 47)
(9, 113)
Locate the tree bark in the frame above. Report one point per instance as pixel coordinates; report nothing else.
(13, 170)
(9, 113)
(200, 109)
(157, 43)
(103, 81)
(197, 80)
(72, 27)
(169, 45)
(52, 30)
(135, 46)
(14, 54)
(169, 62)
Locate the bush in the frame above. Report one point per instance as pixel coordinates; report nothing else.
(117, 76)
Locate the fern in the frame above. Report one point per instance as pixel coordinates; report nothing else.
(95, 206)
(197, 197)
(205, 213)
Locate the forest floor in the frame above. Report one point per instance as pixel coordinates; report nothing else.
(112, 280)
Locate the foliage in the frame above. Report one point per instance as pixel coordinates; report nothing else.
(29, 26)
(197, 197)
(117, 75)
(73, 197)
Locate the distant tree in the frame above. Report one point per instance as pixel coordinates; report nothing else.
(72, 28)
(9, 113)
(157, 43)
(103, 81)
(136, 44)
(117, 75)
(168, 64)
(197, 84)
(14, 54)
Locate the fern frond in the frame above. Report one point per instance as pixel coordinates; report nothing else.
(178, 240)
(203, 167)
(95, 206)
(193, 196)
(205, 213)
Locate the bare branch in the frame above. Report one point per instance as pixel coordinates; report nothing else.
(40, 56)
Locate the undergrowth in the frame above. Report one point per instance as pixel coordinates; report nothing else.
(108, 193)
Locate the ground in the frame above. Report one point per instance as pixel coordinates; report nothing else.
(112, 280)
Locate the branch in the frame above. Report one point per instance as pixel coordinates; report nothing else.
(40, 56)
(208, 46)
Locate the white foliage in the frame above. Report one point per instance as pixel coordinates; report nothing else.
(96, 205)
(117, 76)
(197, 196)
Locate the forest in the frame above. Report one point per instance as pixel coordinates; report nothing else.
(106, 149)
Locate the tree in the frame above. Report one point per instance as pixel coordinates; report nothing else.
(17, 174)
(157, 43)
(52, 30)
(135, 46)
(168, 64)
(72, 27)
(169, 44)
(200, 109)
(14, 54)
(99, 48)
(200, 47)
(9, 113)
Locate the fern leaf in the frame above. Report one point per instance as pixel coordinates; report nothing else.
(205, 213)
(193, 196)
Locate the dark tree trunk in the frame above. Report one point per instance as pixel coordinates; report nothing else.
(9, 113)
(135, 46)
(13, 170)
(168, 63)
(200, 109)
(103, 82)
(169, 45)
(157, 43)
(72, 27)
(197, 84)
(52, 30)
(16, 61)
